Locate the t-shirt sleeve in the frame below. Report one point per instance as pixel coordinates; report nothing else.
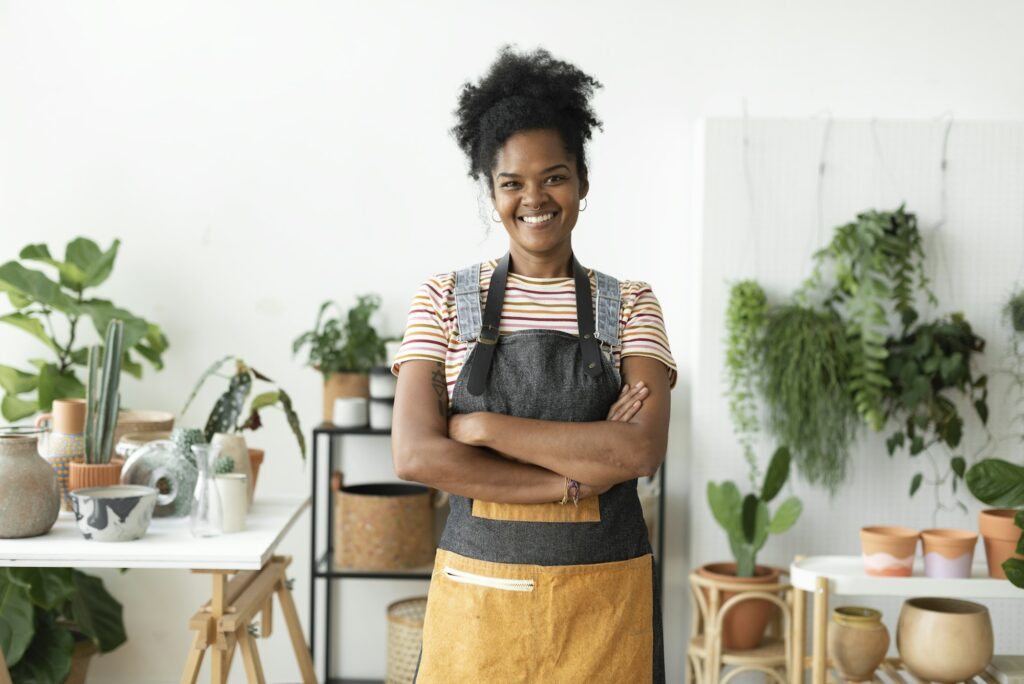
(426, 330)
(643, 330)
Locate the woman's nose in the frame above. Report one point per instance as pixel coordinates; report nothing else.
(534, 196)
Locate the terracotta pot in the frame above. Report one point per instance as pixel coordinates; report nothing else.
(888, 551)
(255, 461)
(29, 491)
(83, 475)
(948, 553)
(67, 416)
(1001, 535)
(857, 642)
(343, 385)
(233, 446)
(80, 657)
(743, 626)
(944, 640)
(142, 421)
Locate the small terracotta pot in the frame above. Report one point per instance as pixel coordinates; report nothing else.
(67, 416)
(948, 553)
(888, 551)
(84, 475)
(343, 385)
(744, 624)
(1001, 535)
(944, 640)
(255, 461)
(857, 642)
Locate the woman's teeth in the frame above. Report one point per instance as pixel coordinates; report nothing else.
(539, 219)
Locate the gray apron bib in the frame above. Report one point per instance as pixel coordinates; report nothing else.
(546, 375)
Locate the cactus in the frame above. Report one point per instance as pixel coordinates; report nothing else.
(102, 398)
(223, 465)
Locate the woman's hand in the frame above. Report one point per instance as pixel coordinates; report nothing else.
(630, 400)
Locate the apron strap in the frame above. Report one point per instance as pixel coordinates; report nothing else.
(488, 340)
(589, 346)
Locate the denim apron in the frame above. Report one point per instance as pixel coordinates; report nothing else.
(542, 592)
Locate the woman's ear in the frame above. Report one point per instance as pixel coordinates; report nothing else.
(584, 187)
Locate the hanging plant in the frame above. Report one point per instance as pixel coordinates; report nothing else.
(1014, 310)
(927, 367)
(805, 365)
(744, 326)
(877, 264)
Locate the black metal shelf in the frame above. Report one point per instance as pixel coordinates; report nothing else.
(325, 568)
(328, 429)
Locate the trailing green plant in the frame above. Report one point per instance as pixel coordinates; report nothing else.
(1014, 310)
(349, 344)
(43, 304)
(744, 329)
(1013, 313)
(876, 265)
(228, 409)
(747, 520)
(44, 611)
(927, 366)
(806, 363)
(1000, 483)
(102, 395)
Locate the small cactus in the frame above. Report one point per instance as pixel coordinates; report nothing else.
(224, 465)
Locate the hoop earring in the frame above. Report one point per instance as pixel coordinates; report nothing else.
(494, 213)
(584, 207)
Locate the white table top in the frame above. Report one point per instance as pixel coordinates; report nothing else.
(847, 578)
(168, 543)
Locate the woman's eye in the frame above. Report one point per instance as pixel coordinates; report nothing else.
(556, 179)
(510, 185)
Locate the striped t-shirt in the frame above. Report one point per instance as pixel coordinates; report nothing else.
(432, 331)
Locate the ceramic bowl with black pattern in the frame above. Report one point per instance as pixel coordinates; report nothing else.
(113, 514)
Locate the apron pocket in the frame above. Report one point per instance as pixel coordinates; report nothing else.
(587, 510)
(485, 581)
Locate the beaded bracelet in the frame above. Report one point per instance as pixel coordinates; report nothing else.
(571, 493)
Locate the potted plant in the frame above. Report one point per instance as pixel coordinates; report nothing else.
(998, 482)
(55, 311)
(344, 350)
(102, 405)
(747, 520)
(53, 620)
(225, 426)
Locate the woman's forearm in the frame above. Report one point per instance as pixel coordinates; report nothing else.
(476, 473)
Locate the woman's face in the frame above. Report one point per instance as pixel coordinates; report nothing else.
(537, 192)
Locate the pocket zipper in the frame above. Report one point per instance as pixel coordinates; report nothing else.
(491, 582)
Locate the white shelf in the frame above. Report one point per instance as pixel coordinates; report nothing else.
(846, 577)
(168, 543)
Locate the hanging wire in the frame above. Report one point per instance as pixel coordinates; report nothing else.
(819, 235)
(941, 271)
(884, 174)
(748, 177)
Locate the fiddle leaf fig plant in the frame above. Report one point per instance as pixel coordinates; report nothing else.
(747, 520)
(345, 343)
(56, 310)
(229, 407)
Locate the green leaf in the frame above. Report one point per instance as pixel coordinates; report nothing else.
(14, 381)
(787, 515)
(17, 624)
(916, 445)
(749, 519)
(777, 474)
(228, 407)
(101, 312)
(958, 465)
(33, 326)
(96, 265)
(202, 378)
(724, 501)
(894, 442)
(261, 401)
(37, 252)
(293, 421)
(96, 613)
(915, 483)
(1014, 569)
(71, 276)
(981, 406)
(997, 482)
(48, 659)
(36, 286)
(47, 389)
(130, 365)
(48, 588)
(14, 409)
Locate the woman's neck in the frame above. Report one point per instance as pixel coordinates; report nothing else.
(556, 265)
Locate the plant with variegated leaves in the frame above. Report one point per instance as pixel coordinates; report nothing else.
(230, 406)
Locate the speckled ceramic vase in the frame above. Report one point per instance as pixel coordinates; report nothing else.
(29, 491)
(65, 442)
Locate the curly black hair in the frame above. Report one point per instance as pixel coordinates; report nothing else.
(521, 92)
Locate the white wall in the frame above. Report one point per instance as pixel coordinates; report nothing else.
(257, 158)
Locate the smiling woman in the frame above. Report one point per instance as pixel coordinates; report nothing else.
(536, 391)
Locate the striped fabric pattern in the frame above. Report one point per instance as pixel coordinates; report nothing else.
(432, 333)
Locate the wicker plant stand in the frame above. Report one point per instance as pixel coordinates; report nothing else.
(707, 662)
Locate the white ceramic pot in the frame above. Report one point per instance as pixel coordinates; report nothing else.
(350, 412)
(233, 446)
(382, 383)
(381, 411)
(233, 489)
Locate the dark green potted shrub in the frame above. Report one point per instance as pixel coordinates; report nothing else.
(55, 311)
(747, 521)
(51, 618)
(344, 349)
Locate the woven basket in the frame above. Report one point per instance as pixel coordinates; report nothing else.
(388, 526)
(405, 636)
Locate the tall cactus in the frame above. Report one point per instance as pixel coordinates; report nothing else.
(102, 398)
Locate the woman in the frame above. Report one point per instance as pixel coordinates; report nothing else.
(535, 392)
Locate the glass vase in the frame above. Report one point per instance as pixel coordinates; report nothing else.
(206, 514)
